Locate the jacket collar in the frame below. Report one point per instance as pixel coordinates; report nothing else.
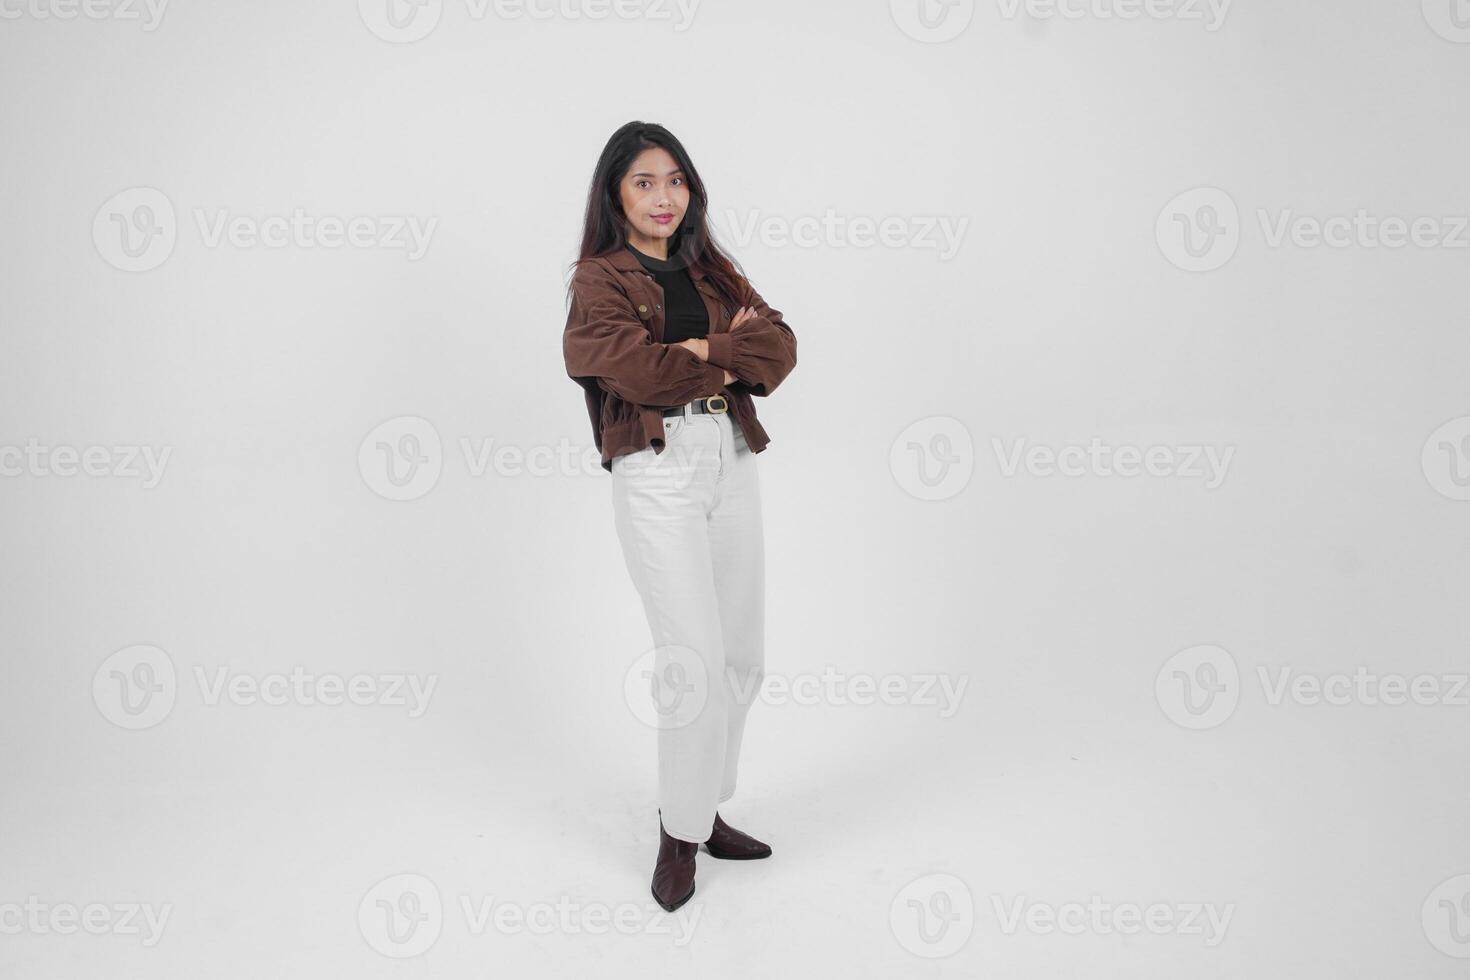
(625, 261)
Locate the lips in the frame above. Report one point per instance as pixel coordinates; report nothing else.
(663, 219)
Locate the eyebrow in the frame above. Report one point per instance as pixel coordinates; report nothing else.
(644, 173)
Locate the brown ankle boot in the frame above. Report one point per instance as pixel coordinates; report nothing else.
(673, 874)
(728, 843)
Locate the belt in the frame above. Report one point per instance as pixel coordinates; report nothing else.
(709, 405)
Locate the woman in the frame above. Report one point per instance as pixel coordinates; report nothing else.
(669, 343)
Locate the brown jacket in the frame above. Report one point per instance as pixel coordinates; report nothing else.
(614, 350)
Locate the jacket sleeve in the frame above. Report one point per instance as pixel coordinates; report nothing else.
(605, 343)
(760, 352)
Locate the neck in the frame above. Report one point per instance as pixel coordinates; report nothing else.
(657, 248)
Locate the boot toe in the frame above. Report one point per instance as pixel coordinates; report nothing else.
(730, 844)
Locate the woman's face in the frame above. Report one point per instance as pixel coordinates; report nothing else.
(655, 196)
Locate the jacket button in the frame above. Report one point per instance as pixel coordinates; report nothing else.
(642, 308)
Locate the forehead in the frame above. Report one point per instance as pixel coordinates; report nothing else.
(655, 160)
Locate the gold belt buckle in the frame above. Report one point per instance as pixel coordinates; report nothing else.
(709, 404)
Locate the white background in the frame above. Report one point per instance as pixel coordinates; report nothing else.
(1064, 316)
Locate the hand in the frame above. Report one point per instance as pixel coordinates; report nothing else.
(742, 315)
(698, 346)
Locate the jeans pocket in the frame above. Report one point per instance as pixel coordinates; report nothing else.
(621, 463)
(673, 425)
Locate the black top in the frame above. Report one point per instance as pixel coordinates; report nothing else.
(684, 313)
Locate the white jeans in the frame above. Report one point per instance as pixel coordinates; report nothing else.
(689, 520)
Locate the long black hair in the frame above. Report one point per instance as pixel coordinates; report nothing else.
(604, 227)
